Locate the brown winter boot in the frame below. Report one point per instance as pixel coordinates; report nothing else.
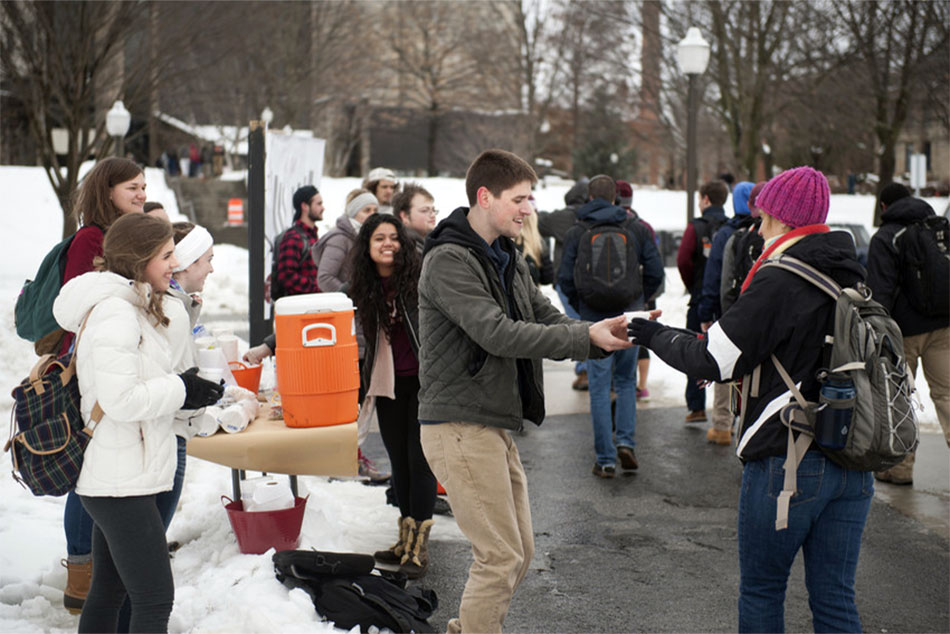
(78, 579)
(393, 554)
(415, 561)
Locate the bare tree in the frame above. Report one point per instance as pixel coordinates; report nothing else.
(66, 62)
(444, 58)
(538, 65)
(896, 41)
(52, 65)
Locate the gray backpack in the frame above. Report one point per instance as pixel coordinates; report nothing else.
(865, 418)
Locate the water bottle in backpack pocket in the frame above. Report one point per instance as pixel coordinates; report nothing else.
(835, 410)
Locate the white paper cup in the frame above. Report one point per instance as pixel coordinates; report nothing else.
(229, 346)
(634, 314)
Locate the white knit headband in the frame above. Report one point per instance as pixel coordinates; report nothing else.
(355, 205)
(192, 247)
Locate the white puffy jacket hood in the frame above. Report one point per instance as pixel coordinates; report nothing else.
(124, 362)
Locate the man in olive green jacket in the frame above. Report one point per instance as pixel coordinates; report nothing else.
(484, 329)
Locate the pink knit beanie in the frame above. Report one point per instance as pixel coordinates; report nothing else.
(796, 197)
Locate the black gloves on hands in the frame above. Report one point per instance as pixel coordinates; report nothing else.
(199, 392)
(642, 330)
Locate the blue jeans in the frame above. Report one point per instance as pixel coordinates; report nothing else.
(695, 395)
(620, 368)
(825, 521)
(580, 366)
(167, 501)
(78, 527)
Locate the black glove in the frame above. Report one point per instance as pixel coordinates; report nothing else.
(642, 330)
(200, 392)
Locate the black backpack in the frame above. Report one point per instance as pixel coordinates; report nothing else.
(607, 270)
(345, 592)
(276, 290)
(747, 246)
(706, 229)
(924, 250)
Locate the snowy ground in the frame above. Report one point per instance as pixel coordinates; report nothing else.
(217, 588)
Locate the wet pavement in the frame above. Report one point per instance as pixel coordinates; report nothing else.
(656, 550)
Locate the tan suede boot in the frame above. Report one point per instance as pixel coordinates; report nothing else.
(393, 554)
(902, 473)
(78, 580)
(415, 561)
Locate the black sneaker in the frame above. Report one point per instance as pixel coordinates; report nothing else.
(628, 459)
(604, 470)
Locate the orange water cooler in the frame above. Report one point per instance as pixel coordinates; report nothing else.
(317, 360)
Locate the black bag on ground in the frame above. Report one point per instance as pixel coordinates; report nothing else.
(344, 592)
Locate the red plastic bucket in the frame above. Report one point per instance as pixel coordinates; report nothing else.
(259, 531)
(247, 376)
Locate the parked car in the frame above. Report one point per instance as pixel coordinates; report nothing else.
(860, 236)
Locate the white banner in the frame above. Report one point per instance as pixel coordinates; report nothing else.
(292, 162)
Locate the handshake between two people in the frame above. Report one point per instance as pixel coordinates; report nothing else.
(614, 333)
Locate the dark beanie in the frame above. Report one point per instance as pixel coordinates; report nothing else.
(301, 196)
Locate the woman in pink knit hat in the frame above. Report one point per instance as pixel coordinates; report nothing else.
(781, 314)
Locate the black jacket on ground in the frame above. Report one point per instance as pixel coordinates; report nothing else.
(884, 269)
(781, 314)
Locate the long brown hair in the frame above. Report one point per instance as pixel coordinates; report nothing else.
(366, 288)
(93, 205)
(130, 243)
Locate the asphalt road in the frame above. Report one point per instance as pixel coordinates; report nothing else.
(656, 550)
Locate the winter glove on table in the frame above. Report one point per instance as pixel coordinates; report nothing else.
(199, 392)
(642, 330)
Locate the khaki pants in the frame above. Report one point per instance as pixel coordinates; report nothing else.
(486, 485)
(722, 406)
(933, 350)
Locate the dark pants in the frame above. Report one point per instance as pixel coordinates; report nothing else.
(399, 426)
(129, 556)
(695, 395)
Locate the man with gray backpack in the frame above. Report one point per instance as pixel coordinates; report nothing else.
(826, 399)
(909, 273)
(601, 277)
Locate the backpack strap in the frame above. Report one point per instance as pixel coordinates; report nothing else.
(305, 250)
(806, 272)
(795, 417)
(67, 375)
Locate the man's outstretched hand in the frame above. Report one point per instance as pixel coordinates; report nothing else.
(610, 334)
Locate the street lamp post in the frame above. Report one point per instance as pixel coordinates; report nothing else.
(267, 115)
(117, 125)
(693, 56)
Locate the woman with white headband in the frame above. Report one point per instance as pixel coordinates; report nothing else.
(194, 249)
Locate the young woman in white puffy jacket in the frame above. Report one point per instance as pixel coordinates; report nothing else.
(124, 364)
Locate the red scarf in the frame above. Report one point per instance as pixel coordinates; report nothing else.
(785, 241)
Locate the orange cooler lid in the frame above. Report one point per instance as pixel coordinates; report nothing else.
(313, 303)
